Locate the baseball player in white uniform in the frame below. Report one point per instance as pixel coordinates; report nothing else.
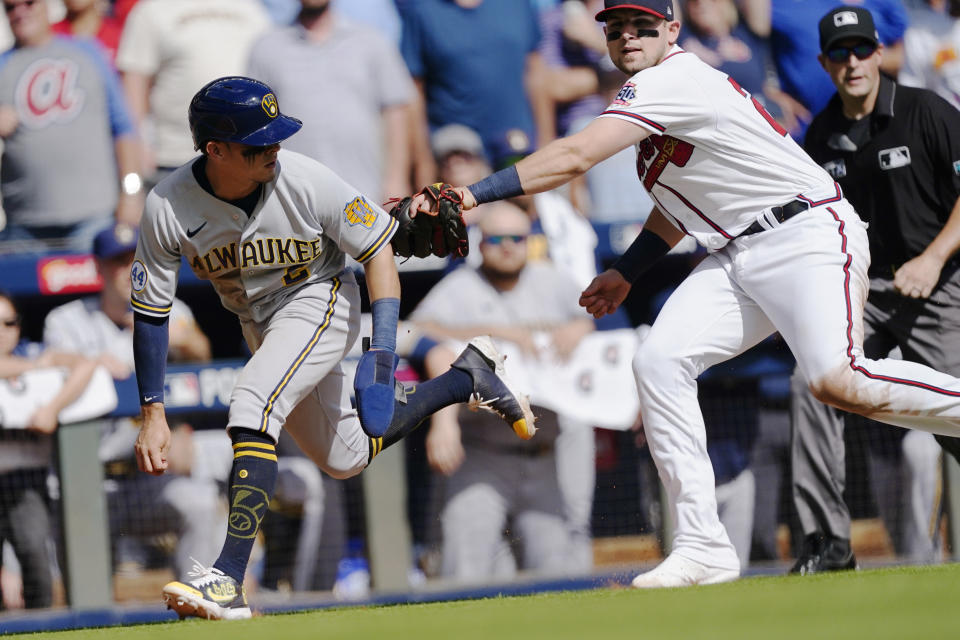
(271, 229)
(787, 254)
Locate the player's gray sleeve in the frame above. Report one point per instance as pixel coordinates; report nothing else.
(156, 265)
(359, 227)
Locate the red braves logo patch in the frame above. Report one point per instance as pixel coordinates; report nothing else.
(663, 150)
(627, 93)
(47, 93)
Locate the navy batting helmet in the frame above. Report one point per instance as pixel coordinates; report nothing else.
(238, 109)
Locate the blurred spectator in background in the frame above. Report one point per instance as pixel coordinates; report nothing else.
(168, 48)
(574, 50)
(495, 483)
(71, 153)
(283, 13)
(25, 455)
(931, 49)
(353, 91)
(143, 507)
(91, 19)
(792, 28)
(122, 8)
(715, 32)
(475, 62)
(894, 150)
(382, 15)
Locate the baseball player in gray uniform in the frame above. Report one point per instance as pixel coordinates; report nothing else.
(271, 230)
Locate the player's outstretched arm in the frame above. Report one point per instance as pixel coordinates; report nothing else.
(550, 167)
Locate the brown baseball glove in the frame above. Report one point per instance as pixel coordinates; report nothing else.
(441, 232)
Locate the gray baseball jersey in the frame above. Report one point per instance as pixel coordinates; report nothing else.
(281, 270)
(306, 221)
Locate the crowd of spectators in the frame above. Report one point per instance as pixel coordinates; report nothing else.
(394, 94)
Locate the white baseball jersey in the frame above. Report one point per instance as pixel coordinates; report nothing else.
(306, 221)
(716, 159)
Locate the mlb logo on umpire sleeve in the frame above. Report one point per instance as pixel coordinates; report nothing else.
(894, 158)
(956, 167)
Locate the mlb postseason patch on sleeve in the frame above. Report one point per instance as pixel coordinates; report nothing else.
(359, 211)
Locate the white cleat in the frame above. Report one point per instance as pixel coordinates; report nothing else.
(677, 571)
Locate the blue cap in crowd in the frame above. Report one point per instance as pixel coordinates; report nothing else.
(115, 240)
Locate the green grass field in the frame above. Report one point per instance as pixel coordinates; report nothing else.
(905, 603)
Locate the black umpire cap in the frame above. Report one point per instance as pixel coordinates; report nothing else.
(847, 22)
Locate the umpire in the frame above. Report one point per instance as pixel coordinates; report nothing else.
(895, 151)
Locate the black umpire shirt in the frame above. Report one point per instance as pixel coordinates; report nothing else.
(899, 167)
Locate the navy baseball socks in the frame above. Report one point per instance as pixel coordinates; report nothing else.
(478, 377)
(217, 592)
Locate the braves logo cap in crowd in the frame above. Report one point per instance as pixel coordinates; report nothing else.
(660, 8)
(115, 240)
(847, 22)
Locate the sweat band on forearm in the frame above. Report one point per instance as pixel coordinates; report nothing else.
(497, 186)
(386, 313)
(150, 343)
(640, 255)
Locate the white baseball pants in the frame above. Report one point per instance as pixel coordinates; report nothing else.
(807, 279)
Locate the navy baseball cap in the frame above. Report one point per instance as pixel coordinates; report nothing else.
(659, 8)
(847, 22)
(115, 240)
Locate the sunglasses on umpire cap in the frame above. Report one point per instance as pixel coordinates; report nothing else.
(659, 8)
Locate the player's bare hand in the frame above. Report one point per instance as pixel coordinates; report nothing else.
(153, 442)
(605, 293)
(917, 278)
(444, 448)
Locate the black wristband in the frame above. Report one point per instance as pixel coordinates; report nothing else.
(646, 249)
(497, 186)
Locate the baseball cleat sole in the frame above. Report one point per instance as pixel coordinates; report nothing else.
(186, 602)
(493, 389)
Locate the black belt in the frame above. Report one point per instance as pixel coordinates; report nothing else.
(781, 213)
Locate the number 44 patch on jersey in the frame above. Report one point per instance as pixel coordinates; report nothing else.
(358, 211)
